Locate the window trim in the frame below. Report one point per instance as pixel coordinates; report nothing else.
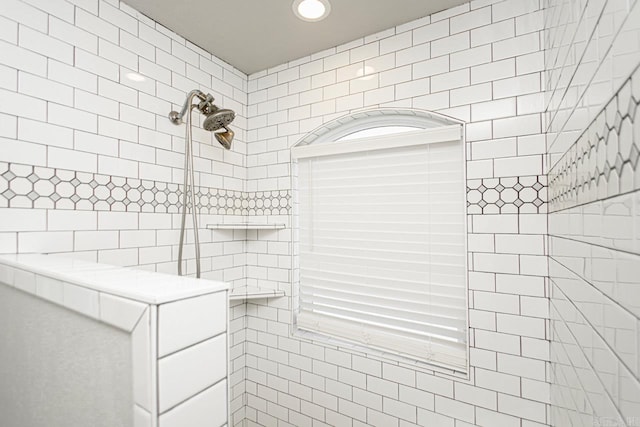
(375, 117)
(442, 134)
(326, 140)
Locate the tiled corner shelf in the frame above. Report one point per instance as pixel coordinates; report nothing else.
(245, 226)
(252, 292)
(249, 292)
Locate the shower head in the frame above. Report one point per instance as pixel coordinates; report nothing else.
(225, 138)
(217, 118)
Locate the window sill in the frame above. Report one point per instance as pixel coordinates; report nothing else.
(376, 354)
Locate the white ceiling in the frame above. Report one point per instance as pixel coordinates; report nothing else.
(254, 35)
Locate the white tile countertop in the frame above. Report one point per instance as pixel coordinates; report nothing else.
(144, 286)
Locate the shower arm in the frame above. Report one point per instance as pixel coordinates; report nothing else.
(175, 117)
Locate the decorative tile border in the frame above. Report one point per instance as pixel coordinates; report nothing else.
(26, 186)
(603, 161)
(525, 194)
(267, 203)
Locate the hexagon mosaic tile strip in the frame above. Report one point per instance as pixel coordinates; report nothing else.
(525, 194)
(25, 186)
(603, 162)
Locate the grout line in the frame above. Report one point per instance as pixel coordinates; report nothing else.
(623, 251)
(191, 345)
(595, 288)
(587, 359)
(577, 205)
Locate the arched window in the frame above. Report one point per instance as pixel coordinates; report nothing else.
(380, 248)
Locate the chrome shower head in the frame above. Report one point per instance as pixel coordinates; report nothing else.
(225, 138)
(218, 118)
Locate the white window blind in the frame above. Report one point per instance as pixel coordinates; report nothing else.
(382, 243)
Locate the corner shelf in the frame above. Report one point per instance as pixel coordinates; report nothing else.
(251, 292)
(245, 226)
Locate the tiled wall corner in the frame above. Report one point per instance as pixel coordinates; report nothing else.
(592, 88)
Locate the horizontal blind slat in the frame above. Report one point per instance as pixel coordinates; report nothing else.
(383, 236)
(373, 227)
(387, 319)
(419, 254)
(390, 274)
(414, 268)
(423, 305)
(428, 294)
(366, 257)
(450, 288)
(376, 244)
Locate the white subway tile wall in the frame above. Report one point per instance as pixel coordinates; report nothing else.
(482, 62)
(91, 167)
(592, 119)
(71, 109)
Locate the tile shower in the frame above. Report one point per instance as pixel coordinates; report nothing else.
(91, 168)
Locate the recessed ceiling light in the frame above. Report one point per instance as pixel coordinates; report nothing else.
(135, 77)
(311, 10)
